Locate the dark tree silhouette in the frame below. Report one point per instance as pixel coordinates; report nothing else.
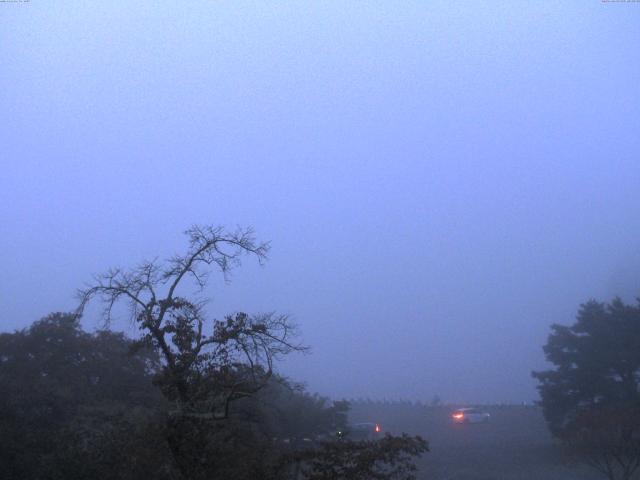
(206, 365)
(390, 458)
(203, 371)
(591, 399)
(77, 405)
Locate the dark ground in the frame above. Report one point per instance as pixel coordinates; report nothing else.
(514, 445)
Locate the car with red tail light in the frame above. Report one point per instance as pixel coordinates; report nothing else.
(361, 431)
(469, 415)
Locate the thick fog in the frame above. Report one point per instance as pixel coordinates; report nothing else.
(440, 181)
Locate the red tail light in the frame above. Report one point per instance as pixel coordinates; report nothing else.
(377, 428)
(458, 416)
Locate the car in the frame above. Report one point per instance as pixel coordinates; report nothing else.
(469, 415)
(361, 431)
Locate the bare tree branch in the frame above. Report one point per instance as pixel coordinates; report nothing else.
(202, 373)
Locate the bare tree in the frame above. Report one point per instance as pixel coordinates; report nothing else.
(202, 372)
(207, 365)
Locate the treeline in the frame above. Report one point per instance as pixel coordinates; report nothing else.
(79, 405)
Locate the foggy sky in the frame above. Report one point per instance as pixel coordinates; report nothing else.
(440, 181)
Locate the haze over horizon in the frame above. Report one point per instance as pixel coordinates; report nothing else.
(440, 183)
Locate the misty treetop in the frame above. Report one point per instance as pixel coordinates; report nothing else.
(202, 371)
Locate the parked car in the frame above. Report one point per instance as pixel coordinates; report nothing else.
(361, 431)
(469, 415)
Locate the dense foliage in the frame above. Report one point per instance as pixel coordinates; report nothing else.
(591, 399)
(77, 405)
(390, 457)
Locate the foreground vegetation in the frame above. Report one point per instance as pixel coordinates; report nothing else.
(195, 398)
(191, 398)
(80, 405)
